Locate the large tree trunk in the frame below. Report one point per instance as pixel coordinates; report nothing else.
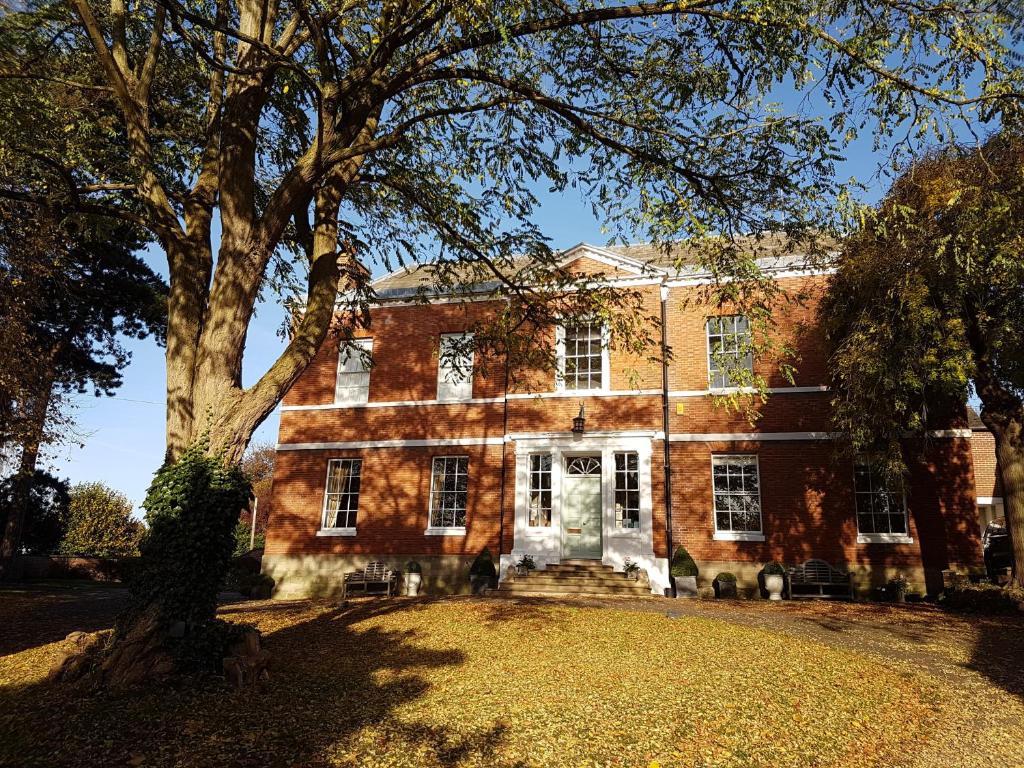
(1010, 453)
(15, 524)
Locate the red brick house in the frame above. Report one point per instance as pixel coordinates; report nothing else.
(409, 460)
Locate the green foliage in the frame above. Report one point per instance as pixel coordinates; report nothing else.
(682, 563)
(243, 531)
(99, 523)
(927, 300)
(192, 509)
(527, 562)
(413, 567)
(206, 644)
(46, 516)
(483, 566)
(726, 576)
(984, 598)
(773, 569)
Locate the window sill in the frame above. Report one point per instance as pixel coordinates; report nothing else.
(539, 530)
(884, 538)
(738, 536)
(722, 391)
(445, 532)
(625, 532)
(336, 532)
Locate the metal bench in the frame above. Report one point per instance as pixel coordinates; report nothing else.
(374, 573)
(819, 574)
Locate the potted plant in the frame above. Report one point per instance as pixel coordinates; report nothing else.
(413, 578)
(525, 565)
(684, 574)
(725, 585)
(631, 569)
(482, 573)
(774, 580)
(897, 588)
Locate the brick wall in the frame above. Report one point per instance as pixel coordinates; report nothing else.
(983, 449)
(807, 494)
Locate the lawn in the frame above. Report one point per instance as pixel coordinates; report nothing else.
(485, 682)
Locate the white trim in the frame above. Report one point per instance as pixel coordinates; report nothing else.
(707, 353)
(460, 531)
(739, 535)
(584, 393)
(746, 390)
(352, 348)
(586, 437)
(884, 538)
(391, 404)
(987, 500)
(609, 258)
(776, 274)
(424, 443)
(967, 433)
(717, 437)
(336, 532)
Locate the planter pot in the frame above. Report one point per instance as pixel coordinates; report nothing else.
(774, 584)
(522, 570)
(725, 589)
(633, 576)
(412, 584)
(479, 584)
(686, 586)
(900, 597)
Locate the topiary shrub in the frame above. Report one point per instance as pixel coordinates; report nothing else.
(482, 572)
(192, 509)
(683, 564)
(725, 576)
(413, 567)
(773, 569)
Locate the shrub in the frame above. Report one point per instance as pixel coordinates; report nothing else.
(683, 564)
(984, 598)
(483, 566)
(100, 524)
(243, 532)
(774, 569)
(725, 576)
(526, 561)
(413, 567)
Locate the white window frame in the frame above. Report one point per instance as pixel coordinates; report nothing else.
(347, 530)
(728, 386)
(351, 351)
(560, 383)
(720, 535)
(451, 388)
(445, 530)
(615, 490)
(531, 473)
(880, 538)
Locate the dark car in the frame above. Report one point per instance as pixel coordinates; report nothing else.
(996, 544)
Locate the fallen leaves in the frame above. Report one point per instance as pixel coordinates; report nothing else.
(490, 683)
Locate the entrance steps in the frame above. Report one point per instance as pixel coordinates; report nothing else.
(590, 578)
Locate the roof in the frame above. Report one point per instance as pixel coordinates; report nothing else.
(678, 259)
(974, 420)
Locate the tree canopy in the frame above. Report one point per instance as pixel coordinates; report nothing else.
(323, 138)
(926, 306)
(100, 524)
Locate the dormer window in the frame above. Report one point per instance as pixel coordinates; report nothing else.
(582, 357)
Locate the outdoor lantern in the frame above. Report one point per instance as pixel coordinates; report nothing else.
(578, 422)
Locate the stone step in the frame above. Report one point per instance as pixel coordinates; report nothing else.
(574, 568)
(525, 587)
(573, 578)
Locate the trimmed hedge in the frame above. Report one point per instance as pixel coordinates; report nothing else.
(683, 564)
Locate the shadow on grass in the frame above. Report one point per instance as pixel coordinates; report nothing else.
(331, 677)
(32, 615)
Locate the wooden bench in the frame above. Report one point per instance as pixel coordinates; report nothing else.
(819, 574)
(374, 573)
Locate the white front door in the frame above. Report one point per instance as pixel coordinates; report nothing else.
(581, 507)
